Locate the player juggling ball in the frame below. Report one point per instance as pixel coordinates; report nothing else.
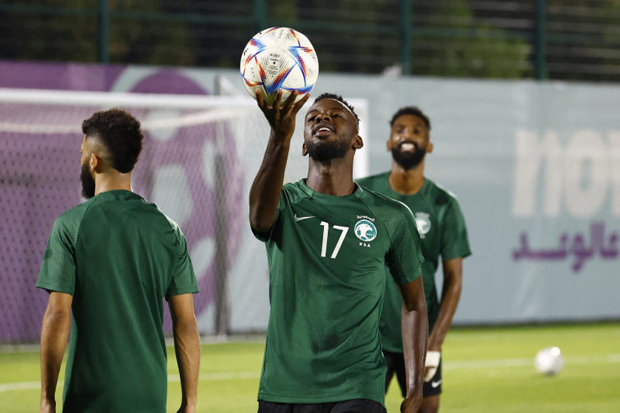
(328, 241)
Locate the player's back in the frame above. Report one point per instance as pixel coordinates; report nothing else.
(125, 253)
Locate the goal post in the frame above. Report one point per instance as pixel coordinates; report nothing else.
(199, 158)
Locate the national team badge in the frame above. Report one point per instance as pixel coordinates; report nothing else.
(365, 230)
(423, 223)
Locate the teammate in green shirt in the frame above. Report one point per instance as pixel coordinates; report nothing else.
(442, 229)
(328, 241)
(110, 262)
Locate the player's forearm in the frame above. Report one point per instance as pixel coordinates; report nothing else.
(451, 295)
(187, 350)
(414, 326)
(267, 186)
(54, 335)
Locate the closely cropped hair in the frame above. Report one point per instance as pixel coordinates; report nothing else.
(121, 134)
(341, 100)
(411, 110)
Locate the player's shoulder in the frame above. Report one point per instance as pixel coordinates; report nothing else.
(373, 180)
(159, 222)
(163, 220)
(440, 194)
(73, 216)
(293, 192)
(383, 205)
(69, 222)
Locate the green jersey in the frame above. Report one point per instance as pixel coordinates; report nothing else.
(119, 257)
(443, 233)
(326, 258)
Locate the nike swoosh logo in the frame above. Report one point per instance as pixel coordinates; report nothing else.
(435, 383)
(302, 218)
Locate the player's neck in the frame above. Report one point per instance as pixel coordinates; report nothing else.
(112, 182)
(407, 181)
(334, 177)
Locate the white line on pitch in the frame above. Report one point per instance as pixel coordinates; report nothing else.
(450, 365)
(527, 361)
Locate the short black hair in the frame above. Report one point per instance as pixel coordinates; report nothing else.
(411, 110)
(341, 100)
(120, 133)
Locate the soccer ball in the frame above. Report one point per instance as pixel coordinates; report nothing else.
(549, 361)
(279, 58)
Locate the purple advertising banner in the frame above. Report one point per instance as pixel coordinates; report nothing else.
(39, 180)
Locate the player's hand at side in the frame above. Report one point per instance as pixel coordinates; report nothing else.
(281, 117)
(433, 356)
(411, 404)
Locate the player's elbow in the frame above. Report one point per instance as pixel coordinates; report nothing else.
(57, 314)
(415, 305)
(57, 319)
(454, 281)
(184, 321)
(259, 222)
(184, 329)
(413, 296)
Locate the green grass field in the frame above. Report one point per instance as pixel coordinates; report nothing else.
(485, 370)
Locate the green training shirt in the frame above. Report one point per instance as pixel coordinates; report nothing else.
(326, 257)
(443, 233)
(119, 256)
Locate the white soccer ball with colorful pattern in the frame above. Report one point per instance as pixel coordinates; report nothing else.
(279, 58)
(549, 361)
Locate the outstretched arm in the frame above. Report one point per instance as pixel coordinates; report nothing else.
(452, 284)
(414, 325)
(54, 335)
(267, 186)
(186, 348)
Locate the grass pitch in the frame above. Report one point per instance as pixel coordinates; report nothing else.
(485, 370)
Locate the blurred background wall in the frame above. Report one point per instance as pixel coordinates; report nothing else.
(535, 164)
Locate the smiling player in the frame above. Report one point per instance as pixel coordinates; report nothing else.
(442, 229)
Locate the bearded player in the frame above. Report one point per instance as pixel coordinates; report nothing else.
(442, 231)
(109, 264)
(328, 241)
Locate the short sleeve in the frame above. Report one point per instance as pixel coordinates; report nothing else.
(58, 269)
(454, 240)
(183, 279)
(265, 236)
(404, 258)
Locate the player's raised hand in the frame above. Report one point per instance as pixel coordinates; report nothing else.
(281, 117)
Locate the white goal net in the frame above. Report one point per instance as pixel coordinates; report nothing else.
(198, 161)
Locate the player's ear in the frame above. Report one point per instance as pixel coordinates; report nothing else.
(358, 142)
(94, 163)
(429, 147)
(304, 150)
(388, 144)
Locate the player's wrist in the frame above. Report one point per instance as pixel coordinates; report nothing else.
(48, 397)
(282, 138)
(47, 405)
(189, 401)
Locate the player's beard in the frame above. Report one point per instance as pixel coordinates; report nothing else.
(326, 151)
(88, 182)
(408, 160)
